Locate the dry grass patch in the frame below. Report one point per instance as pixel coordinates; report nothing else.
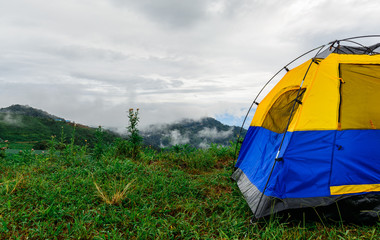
(11, 186)
(118, 194)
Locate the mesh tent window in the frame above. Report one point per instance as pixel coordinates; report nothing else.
(277, 117)
(360, 99)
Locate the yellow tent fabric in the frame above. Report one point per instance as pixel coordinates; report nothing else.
(321, 101)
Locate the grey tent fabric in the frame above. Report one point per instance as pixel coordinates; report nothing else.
(342, 49)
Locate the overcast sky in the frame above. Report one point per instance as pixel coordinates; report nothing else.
(89, 61)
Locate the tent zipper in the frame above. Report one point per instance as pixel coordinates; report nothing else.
(340, 100)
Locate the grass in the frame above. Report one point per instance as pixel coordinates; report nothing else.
(178, 193)
(117, 197)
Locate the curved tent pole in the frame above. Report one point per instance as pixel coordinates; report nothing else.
(357, 37)
(286, 129)
(262, 89)
(361, 45)
(285, 67)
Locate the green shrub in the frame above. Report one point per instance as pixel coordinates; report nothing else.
(41, 145)
(99, 147)
(135, 139)
(121, 148)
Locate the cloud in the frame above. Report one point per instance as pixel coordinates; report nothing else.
(79, 52)
(170, 13)
(11, 119)
(209, 135)
(204, 144)
(90, 61)
(177, 139)
(213, 133)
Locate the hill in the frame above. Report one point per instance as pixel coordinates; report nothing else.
(27, 126)
(34, 127)
(26, 110)
(199, 134)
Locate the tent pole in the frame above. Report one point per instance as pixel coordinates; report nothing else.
(262, 89)
(277, 159)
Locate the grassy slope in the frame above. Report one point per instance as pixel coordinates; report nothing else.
(178, 194)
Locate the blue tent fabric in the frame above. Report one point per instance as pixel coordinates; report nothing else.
(312, 162)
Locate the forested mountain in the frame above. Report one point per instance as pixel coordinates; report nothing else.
(199, 133)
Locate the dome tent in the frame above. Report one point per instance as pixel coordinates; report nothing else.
(315, 137)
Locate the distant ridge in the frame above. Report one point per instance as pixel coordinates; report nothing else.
(196, 133)
(25, 123)
(29, 111)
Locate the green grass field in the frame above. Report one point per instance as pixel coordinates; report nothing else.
(180, 193)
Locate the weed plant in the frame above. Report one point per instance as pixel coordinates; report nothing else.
(135, 138)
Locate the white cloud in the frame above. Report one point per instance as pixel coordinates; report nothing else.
(213, 133)
(92, 60)
(177, 139)
(11, 119)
